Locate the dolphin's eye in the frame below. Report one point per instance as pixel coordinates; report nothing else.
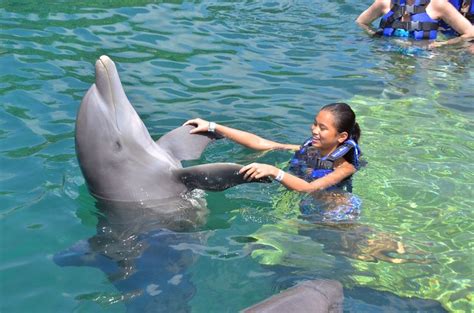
(118, 145)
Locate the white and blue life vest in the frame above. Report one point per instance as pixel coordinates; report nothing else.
(419, 26)
(308, 163)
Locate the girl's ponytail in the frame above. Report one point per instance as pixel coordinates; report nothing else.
(355, 132)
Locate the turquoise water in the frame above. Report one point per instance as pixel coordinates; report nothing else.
(263, 66)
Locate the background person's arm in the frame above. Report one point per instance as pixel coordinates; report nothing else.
(453, 41)
(442, 9)
(376, 10)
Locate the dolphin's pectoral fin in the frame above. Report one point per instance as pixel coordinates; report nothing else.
(214, 177)
(185, 146)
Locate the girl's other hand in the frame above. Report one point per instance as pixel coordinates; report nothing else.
(257, 170)
(201, 125)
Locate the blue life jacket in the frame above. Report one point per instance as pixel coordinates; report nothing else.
(419, 26)
(308, 163)
(467, 13)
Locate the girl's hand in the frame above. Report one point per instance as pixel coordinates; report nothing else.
(201, 125)
(258, 170)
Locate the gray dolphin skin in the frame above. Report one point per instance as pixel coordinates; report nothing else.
(314, 296)
(121, 162)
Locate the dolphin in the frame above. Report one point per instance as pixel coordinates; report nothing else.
(144, 198)
(121, 162)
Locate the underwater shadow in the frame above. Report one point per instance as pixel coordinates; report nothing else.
(135, 247)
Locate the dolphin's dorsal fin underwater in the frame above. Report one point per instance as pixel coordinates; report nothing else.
(121, 162)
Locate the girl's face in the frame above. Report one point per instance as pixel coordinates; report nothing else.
(325, 134)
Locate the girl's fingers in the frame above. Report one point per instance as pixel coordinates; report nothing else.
(200, 125)
(252, 172)
(245, 168)
(248, 174)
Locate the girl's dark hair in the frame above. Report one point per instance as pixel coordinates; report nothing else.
(345, 119)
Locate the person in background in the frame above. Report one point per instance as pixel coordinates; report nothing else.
(420, 19)
(327, 159)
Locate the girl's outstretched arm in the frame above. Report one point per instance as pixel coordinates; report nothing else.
(343, 170)
(246, 139)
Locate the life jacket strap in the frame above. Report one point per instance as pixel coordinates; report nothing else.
(403, 2)
(343, 149)
(410, 9)
(413, 26)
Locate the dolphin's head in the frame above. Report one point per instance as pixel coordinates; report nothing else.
(112, 143)
(107, 115)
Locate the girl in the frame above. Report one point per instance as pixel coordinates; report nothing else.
(329, 158)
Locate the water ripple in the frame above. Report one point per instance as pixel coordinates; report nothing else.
(263, 66)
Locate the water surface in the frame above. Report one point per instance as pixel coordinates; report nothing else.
(266, 67)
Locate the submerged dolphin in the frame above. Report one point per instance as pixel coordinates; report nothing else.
(140, 258)
(121, 162)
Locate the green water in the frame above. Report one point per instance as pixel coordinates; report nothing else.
(266, 67)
